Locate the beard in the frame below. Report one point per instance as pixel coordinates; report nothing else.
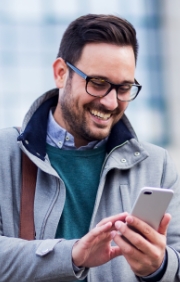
(75, 119)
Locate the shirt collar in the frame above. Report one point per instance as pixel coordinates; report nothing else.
(62, 139)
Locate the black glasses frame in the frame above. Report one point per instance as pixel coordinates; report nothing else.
(112, 85)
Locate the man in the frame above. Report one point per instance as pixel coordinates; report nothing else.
(90, 170)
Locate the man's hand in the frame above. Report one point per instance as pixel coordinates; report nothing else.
(146, 250)
(95, 247)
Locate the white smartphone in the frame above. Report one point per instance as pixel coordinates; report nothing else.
(151, 205)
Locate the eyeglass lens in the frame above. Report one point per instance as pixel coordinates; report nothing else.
(100, 87)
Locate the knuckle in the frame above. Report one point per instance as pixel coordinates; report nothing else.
(139, 270)
(137, 242)
(163, 242)
(157, 255)
(128, 250)
(147, 230)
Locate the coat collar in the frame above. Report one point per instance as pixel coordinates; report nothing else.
(34, 127)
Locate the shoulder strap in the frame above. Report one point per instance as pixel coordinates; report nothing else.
(29, 175)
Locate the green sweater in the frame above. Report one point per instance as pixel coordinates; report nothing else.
(80, 171)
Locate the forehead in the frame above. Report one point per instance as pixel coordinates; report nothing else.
(108, 60)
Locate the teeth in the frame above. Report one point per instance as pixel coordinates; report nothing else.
(100, 114)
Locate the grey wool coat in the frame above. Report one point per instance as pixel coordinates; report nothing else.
(129, 166)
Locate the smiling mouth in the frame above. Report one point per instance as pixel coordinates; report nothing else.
(100, 115)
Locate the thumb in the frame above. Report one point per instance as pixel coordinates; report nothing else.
(164, 224)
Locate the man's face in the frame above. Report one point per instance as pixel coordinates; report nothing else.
(90, 118)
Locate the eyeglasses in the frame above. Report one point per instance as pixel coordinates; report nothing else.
(99, 87)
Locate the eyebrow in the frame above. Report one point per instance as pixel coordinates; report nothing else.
(106, 78)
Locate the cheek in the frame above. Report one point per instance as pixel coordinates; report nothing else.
(122, 106)
(77, 86)
(83, 100)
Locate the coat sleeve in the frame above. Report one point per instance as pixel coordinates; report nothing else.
(22, 260)
(38, 260)
(170, 179)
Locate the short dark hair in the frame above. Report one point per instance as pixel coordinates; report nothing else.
(94, 28)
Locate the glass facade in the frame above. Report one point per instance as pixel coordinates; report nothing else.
(30, 33)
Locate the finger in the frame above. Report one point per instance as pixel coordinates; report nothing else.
(135, 248)
(125, 245)
(113, 218)
(129, 237)
(115, 252)
(164, 224)
(142, 227)
(155, 243)
(134, 257)
(103, 231)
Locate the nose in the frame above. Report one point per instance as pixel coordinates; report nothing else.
(110, 101)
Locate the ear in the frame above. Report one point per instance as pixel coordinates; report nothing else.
(60, 70)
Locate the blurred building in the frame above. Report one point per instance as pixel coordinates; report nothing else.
(30, 33)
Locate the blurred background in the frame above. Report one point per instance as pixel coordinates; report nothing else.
(30, 33)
